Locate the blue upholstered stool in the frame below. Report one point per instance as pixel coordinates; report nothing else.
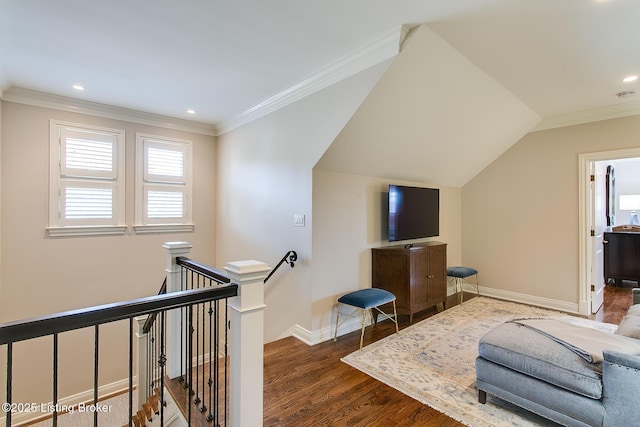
(459, 274)
(366, 300)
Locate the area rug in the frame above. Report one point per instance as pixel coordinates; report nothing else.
(433, 361)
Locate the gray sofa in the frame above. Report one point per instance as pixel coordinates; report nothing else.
(538, 373)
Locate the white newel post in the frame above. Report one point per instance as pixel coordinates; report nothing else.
(141, 374)
(247, 342)
(174, 283)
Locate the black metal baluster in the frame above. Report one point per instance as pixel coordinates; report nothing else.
(203, 407)
(183, 284)
(217, 364)
(196, 400)
(9, 382)
(162, 362)
(187, 362)
(55, 380)
(156, 363)
(189, 356)
(227, 326)
(95, 375)
(213, 359)
(152, 359)
(130, 370)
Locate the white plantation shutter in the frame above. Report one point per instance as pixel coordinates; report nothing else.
(165, 204)
(87, 202)
(86, 157)
(167, 163)
(87, 179)
(163, 184)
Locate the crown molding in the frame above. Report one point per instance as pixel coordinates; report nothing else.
(381, 49)
(57, 102)
(588, 116)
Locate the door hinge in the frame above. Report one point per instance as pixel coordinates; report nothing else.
(593, 288)
(593, 233)
(593, 178)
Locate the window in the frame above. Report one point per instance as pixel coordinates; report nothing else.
(163, 184)
(86, 180)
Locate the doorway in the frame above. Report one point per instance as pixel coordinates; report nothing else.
(591, 213)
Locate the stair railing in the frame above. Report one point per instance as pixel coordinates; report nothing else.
(290, 258)
(204, 370)
(54, 325)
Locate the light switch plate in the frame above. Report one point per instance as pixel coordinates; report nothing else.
(298, 220)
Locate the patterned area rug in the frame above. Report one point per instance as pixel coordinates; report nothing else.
(434, 361)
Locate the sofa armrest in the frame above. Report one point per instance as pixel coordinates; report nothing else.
(620, 388)
(636, 295)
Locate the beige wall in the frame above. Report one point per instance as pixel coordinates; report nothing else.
(43, 275)
(265, 177)
(348, 221)
(520, 214)
(1, 103)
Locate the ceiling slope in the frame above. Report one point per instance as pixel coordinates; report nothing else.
(434, 117)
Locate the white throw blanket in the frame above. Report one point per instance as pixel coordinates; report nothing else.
(586, 342)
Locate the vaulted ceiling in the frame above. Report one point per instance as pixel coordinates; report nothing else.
(227, 60)
(433, 117)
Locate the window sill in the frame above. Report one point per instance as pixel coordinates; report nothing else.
(97, 230)
(163, 228)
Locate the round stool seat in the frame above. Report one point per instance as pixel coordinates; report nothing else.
(367, 298)
(461, 272)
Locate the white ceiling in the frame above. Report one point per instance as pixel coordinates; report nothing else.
(222, 58)
(433, 117)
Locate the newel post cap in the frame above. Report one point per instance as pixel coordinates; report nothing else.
(247, 271)
(177, 246)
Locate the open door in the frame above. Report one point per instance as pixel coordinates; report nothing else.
(598, 218)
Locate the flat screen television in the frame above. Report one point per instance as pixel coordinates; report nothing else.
(414, 212)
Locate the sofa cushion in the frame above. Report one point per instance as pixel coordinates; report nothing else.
(630, 327)
(525, 350)
(634, 310)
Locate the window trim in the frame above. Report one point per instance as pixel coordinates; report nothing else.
(142, 224)
(59, 227)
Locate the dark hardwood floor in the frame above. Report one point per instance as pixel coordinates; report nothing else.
(617, 300)
(309, 385)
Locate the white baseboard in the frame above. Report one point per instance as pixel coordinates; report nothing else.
(324, 334)
(353, 324)
(172, 415)
(120, 386)
(564, 306)
(349, 322)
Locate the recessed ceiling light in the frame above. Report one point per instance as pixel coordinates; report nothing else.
(630, 79)
(78, 87)
(191, 111)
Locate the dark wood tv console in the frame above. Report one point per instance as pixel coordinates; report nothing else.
(621, 256)
(416, 275)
